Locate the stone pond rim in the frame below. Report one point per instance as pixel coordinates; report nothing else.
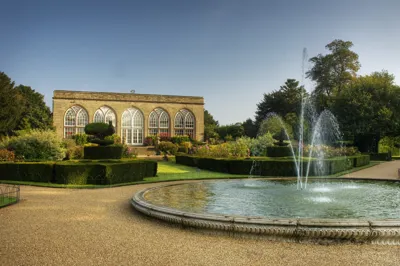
(301, 230)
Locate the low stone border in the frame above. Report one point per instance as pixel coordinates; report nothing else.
(322, 231)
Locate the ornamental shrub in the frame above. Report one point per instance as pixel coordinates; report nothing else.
(99, 131)
(168, 147)
(179, 139)
(6, 155)
(116, 139)
(80, 139)
(37, 145)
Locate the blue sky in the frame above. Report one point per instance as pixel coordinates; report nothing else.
(230, 52)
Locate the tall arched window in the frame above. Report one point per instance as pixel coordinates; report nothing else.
(159, 122)
(185, 123)
(104, 114)
(75, 120)
(132, 126)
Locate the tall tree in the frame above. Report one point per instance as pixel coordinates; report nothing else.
(10, 105)
(35, 114)
(250, 128)
(368, 109)
(333, 71)
(285, 102)
(210, 126)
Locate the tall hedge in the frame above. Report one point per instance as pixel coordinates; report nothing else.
(27, 171)
(102, 152)
(79, 173)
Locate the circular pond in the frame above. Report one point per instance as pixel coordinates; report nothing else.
(327, 211)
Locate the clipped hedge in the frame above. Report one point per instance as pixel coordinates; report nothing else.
(360, 160)
(279, 151)
(273, 167)
(384, 156)
(27, 171)
(79, 173)
(102, 152)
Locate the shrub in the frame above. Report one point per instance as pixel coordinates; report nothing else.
(238, 148)
(37, 145)
(168, 147)
(80, 139)
(258, 146)
(6, 155)
(183, 149)
(148, 141)
(179, 139)
(103, 152)
(128, 152)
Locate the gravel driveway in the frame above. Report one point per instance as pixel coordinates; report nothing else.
(99, 227)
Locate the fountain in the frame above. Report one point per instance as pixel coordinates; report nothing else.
(332, 211)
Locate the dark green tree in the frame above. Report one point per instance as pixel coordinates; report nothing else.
(250, 128)
(333, 71)
(368, 109)
(285, 102)
(210, 126)
(35, 113)
(10, 105)
(233, 130)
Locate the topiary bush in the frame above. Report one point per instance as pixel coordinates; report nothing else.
(103, 152)
(279, 151)
(99, 131)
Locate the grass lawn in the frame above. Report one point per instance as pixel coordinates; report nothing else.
(4, 201)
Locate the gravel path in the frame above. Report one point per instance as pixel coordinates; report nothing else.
(386, 170)
(99, 227)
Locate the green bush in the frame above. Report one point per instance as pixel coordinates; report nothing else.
(279, 151)
(183, 149)
(168, 147)
(179, 139)
(186, 160)
(80, 139)
(27, 171)
(37, 145)
(102, 142)
(103, 152)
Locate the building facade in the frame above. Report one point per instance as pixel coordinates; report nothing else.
(134, 116)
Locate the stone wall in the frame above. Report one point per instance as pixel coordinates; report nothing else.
(119, 102)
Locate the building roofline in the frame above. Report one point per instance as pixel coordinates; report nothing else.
(123, 93)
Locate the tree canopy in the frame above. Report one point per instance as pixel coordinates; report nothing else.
(285, 102)
(10, 105)
(21, 108)
(333, 71)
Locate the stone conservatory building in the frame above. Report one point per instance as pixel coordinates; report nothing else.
(134, 116)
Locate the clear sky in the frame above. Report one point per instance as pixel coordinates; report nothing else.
(228, 51)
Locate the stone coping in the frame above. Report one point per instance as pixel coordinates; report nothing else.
(302, 230)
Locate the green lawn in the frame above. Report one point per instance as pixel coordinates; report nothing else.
(4, 201)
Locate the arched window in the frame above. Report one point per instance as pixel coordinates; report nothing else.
(75, 120)
(159, 122)
(132, 126)
(184, 123)
(104, 114)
